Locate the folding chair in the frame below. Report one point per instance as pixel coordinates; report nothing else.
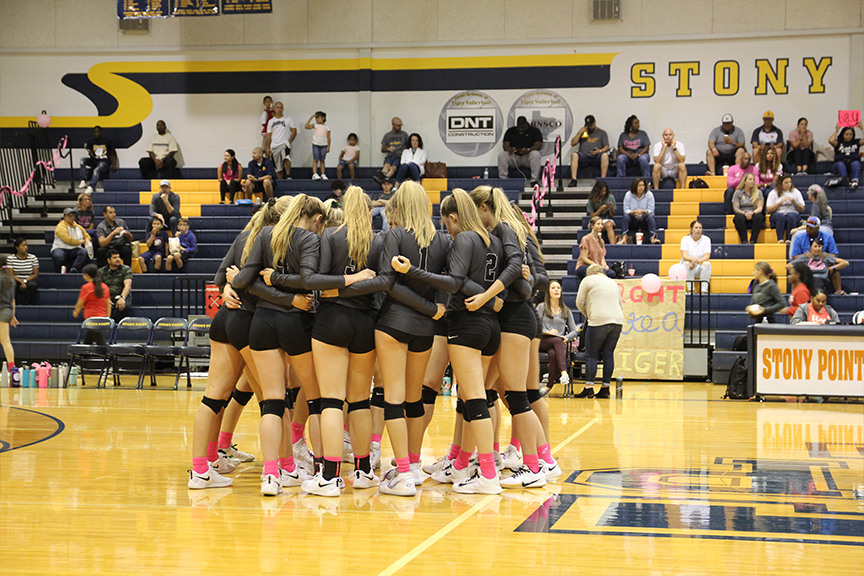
(80, 350)
(167, 333)
(133, 326)
(199, 327)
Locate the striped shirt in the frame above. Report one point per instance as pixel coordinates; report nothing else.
(23, 267)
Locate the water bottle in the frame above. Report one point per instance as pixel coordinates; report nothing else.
(445, 386)
(54, 378)
(25, 377)
(34, 372)
(61, 375)
(486, 173)
(619, 388)
(73, 376)
(42, 375)
(62, 269)
(89, 246)
(15, 377)
(4, 376)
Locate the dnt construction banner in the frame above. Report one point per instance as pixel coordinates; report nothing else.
(651, 346)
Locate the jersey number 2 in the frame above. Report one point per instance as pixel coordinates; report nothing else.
(491, 267)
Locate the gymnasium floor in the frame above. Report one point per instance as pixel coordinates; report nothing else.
(669, 480)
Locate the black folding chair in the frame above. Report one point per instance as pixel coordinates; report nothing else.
(136, 333)
(198, 327)
(166, 342)
(81, 350)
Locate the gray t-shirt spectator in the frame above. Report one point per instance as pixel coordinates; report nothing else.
(397, 139)
(745, 204)
(593, 141)
(717, 135)
(634, 144)
(825, 219)
(104, 229)
(157, 205)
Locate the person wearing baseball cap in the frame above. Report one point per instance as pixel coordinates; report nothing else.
(165, 205)
(592, 149)
(70, 242)
(725, 145)
(767, 135)
(801, 242)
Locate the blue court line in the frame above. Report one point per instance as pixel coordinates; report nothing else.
(60, 427)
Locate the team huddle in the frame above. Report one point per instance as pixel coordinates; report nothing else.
(393, 310)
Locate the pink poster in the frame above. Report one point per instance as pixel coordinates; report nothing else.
(849, 118)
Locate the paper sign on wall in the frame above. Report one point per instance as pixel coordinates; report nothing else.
(849, 118)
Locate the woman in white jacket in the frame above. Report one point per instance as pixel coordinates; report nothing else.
(413, 163)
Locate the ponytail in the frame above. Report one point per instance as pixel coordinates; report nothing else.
(499, 205)
(415, 215)
(357, 206)
(460, 204)
(93, 272)
(268, 215)
(766, 269)
(301, 206)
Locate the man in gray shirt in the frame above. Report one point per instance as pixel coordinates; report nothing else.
(165, 205)
(725, 145)
(113, 233)
(593, 149)
(392, 145)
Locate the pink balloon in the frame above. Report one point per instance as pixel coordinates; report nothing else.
(43, 120)
(651, 283)
(678, 272)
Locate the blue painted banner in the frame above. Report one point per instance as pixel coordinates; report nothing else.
(195, 7)
(142, 9)
(247, 6)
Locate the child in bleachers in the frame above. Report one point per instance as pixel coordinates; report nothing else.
(157, 247)
(349, 157)
(320, 142)
(187, 246)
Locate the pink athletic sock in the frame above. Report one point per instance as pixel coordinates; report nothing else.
(296, 432)
(212, 452)
(413, 458)
(454, 451)
(496, 447)
(225, 439)
(545, 452)
(487, 465)
(515, 442)
(271, 467)
(462, 460)
(345, 426)
(287, 464)
(403, 465)
(376, 438)
(199, 465)
(531, 461)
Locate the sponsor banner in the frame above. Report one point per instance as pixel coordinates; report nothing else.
(470, 123)
(247, 6)
(547, 111)
(651, 346)
(142, 9)
(804, 365)
(195, 7)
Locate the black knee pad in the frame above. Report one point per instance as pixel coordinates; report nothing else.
(215, 405)
(517, 401)
(460, 406)
(314, 406)
(289, 400)
(414, 409)
(295, 392)
(361, 405)
(378, 397)
(241, 398)
(534, 396)
(476, 409)
(275, 406)
(331, 403)
(429, 395)
(491, 397)
(394, 411)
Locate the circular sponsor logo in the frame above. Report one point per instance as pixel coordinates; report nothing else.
(470, 123)
(548, 112)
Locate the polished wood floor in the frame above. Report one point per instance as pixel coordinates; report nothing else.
(669, 480)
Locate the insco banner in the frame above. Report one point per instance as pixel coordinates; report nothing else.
(651, 346)
(804, 365)
(247, 6)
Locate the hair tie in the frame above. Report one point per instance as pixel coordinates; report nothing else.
(271, 202)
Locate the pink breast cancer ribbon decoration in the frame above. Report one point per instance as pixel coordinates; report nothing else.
(61, 147)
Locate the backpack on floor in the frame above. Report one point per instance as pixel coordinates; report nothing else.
(736, 387)
(698, 183)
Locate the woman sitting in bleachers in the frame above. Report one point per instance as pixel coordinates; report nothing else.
(601, 203)
(747, 203)
(801, 153)
(818, 208)
(639, 211)
(769, 168)
(559, 328)
(847, 153)
(822, 265)
(785, 205)
(592, 250)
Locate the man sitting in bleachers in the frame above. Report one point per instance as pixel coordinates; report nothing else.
(725, 145)
(260, 174)
(669, 157)
(802, 246)
(165, 205)
(113, 234)
(161, 148)
(118, 277)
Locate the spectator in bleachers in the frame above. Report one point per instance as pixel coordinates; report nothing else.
(392, 145)
(812, 229)
(801, 153)
(820, 209)
(230, 176)
(766, 300)
(412, 165)
(669, 159)
(187, 245)
(320, 143)
(118, 277)
(593, 149)
(696, 253)
(847, 153)
(633, 146)
(93, 299)
(784, 204)
(281, 132)
(639, 212)
(25, 271)
(266, 115)
(157, 247)
(337, 190)
(99, 160)
(601, 203)
(7, 311)
(748, 204)
(734, 176)
(84, 214)
(765, 137)
(160, 162)
(260, 175)
(816, 311)
(599, 300)
(522, 144)
(769, 169)
(800, 279)
(113, 234)
(349, 157)
(825, 266)
(165, 206)
(559, 328)
(592, 250)
(380, 201)
(70, 241)
(725, 145)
